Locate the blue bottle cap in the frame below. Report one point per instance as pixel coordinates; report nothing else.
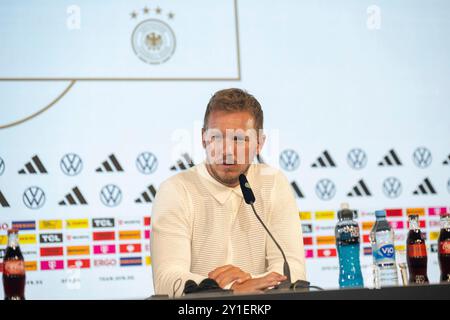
(380, 213)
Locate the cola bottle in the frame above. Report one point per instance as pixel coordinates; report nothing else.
(416, 252)
(444, 248)
(13, 269)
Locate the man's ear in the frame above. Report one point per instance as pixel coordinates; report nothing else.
(203, 138)
(261, 141)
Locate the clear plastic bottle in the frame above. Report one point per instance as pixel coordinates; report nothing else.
(347, 244)
(383, 251)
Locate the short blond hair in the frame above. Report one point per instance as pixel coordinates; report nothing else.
(233, 100)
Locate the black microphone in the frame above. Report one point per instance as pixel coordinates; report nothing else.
(249, 198)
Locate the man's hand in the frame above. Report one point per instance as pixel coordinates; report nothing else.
(227, 274)
(258, 284)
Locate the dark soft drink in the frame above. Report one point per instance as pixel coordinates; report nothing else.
(416, 253)
(13, 269)
(444, 248)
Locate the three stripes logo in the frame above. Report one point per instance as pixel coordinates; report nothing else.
(446, 162)
(324, 161)
(360, 190)
(147, 196)
(390, 159)
(3, 201)
(425, 188)
(73, 198)
(35, 166)
(297, 190)
(2, 166)
(110, 165)
(183, 164)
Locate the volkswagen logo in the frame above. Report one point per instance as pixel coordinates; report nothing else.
(289, 160)
(34, 198)
(71, 164)
(357, 158)
(325, 189)
(392, 187)
(2, 166)
(422, 157)
(147, 163)
(111, 195)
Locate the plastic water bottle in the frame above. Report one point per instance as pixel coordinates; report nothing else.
(347, 243)
(383, 251)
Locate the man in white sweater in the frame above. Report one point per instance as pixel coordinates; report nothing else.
(202, 228)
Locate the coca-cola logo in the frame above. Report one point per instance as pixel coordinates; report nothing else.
(445, 247)
(14, 267)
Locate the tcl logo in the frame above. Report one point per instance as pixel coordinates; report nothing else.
(105, 262)
(51, 238)
(103, 223)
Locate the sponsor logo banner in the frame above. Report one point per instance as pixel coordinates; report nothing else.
(27, 239)
(325, 215)
(305, 215)
(79, 263)
(103, 223)
(30, 265)
(24, 225)
(129, 235)
(104, 236)
(51, 251)
(77, 224)
(325, 240)
(105, 262)
(132, 261)
(50, 224)
(52, 265)
(308, 241)
(394, 213)
(417, 211)
(78, 250)
(105, 249)
(130, 248)
(326, 253)
(51, 238)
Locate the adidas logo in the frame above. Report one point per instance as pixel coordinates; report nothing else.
(360, 190)
(183, 164)
(297, 190)
(147, 196)
(110, 165)
(446, 162)
(35, 166)
(324, 161)
(425, 188)
(390, 159)
(72, 198)
(3, 201)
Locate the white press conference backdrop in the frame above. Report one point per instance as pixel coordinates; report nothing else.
(101, 103)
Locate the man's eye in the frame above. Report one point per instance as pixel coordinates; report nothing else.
(240, 139)
(216, 138)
